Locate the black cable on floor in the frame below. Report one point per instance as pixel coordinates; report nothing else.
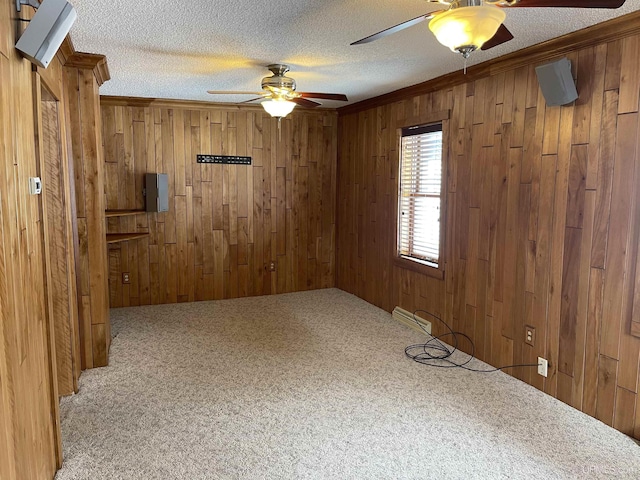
(434, 353)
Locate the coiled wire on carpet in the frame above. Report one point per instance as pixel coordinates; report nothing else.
(435, 353)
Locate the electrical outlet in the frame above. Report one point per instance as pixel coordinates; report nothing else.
(543, 366)
(125, 277)
(529, 335)
(272, 266)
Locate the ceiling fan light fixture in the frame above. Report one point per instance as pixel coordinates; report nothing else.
(278, 107)
(466, 29)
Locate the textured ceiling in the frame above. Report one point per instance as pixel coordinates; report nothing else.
(170, 49)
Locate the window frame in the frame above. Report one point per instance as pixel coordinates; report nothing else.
(408, 263)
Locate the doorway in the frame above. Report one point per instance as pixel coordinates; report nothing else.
(58, 239)
(60, 246)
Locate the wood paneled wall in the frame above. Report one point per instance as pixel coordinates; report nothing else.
(542, 224)
(226, 223)
(88, 164)
(27, 387)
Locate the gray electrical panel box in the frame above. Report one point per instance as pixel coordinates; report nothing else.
(157, 192)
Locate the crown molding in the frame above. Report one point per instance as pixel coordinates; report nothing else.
(66, 49)
(115, 101)
(90, 61)
(86, 61)
(611, 30)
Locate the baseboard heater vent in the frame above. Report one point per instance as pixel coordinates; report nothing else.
(407, 318)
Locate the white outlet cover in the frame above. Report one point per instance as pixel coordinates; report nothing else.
(543, 366)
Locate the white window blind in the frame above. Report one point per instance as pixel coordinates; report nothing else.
(419, 194)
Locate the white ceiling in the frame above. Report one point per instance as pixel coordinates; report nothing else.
(171, 49)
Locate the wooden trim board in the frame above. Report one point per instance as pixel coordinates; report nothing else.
(116, 101)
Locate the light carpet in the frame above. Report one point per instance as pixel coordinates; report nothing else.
(312, 385)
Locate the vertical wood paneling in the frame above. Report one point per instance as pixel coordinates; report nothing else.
(89, 170)
(615, 277)
(59, 240)
(629, 75)
(541, 225)
(27, 409)
(226, 223)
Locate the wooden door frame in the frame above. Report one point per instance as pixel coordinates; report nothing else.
(39, 82)
(53, 81)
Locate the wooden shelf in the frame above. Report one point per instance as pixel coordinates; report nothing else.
(122, 213)
(123, 237)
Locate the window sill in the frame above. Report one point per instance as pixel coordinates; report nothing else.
(419, 267)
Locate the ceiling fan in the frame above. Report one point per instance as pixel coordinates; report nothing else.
(279, 96)
(467, 25)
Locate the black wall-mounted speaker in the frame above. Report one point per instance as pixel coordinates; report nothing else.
(556, 82)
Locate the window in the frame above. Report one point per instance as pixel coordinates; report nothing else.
(419, 195)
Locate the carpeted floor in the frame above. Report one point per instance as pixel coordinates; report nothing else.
(312, 385)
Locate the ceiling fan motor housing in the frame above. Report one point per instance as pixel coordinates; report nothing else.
(279, 83)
